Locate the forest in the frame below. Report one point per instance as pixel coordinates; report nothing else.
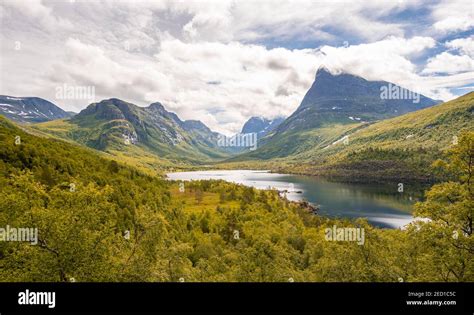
(100, 220)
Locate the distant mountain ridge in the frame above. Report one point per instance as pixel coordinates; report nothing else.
(30, 109)
(262, 126)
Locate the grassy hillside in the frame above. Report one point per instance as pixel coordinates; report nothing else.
(127, 152)
(98, 220)
(63, 129)
(146, 136)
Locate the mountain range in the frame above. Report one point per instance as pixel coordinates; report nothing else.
(150, 136)
(121, 128)
(338, 108)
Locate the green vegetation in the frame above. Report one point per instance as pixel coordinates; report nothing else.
(147, 137)
(100, 220)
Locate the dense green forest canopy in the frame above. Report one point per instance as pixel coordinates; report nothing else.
(99, 220)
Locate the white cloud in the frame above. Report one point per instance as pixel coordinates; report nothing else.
(453, 15)
(36, 12)
(449, 63)
(458, 59)
(387, 59)
(121, 76)
(247, 78)
(440, 87)
(206, 60)
(284, 20)
(452, 23)
(464, 45)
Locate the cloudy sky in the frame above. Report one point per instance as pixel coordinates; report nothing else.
(225, 61)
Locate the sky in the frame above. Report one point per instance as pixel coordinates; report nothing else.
(225, 61)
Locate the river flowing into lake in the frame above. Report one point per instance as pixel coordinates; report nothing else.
(382, 205)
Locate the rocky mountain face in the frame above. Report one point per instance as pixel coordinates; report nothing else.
(336, 102)
(30, 109)
(115, 123)
(346, 98)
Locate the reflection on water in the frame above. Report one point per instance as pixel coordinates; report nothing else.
(382, 205)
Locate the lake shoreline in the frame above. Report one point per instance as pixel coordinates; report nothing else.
(382, 205)
(337, 175)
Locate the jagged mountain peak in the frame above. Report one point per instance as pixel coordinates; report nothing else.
(337, 97)
(352, 95)
(195, 124)
(327, 71)
(156, 106)
(261, 125)
(108, 109)
(121, 104)
(324, 70)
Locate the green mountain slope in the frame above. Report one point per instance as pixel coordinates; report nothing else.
(338, 101)
(138, 133)
(399, 148)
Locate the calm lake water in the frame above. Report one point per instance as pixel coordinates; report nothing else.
(382, 205)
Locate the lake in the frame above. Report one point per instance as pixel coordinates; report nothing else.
(383, 205)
